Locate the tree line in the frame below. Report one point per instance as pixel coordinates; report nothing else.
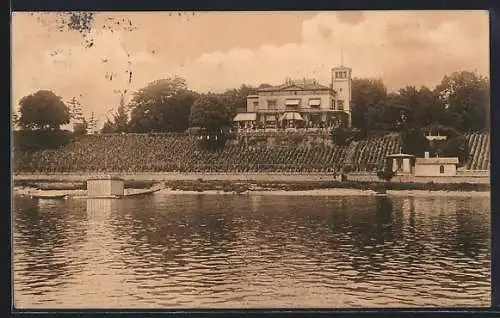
(460, 101)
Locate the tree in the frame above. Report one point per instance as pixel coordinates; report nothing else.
(80, 129)
(75, 110)
(428, 109)
(466, 98)
(213, 115)
(264, 85)
(385, 174)
(120, 122)
(414, 142)
(91, 123)
(121, 117)
(454, 146)
(343, 136)
(236, 99)
(43, 110)
(162, 106)
(367, 94)
(211, 112)
(389, 114)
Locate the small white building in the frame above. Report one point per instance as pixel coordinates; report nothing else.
(435, 167)
(105, 186)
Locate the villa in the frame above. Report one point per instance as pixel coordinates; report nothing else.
(301, 104)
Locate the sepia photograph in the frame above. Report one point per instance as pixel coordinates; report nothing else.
(250, 159)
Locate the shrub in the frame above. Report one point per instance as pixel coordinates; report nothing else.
(385, 174)
(413, 142)
(39, 139)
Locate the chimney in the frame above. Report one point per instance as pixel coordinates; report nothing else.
(426, 155)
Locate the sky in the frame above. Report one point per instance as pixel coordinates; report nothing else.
(215, 51)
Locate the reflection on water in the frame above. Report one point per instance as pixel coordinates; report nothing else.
(252, 251)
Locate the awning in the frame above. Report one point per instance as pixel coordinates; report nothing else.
(291, 116)
(270, 118)
(292, 102)
(245, 117)
(315, 102)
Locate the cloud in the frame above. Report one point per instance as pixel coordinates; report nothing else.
(403, 48)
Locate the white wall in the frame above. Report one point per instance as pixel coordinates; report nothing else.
(430, 170)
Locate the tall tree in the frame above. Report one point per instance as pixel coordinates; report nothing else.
(121, 117)
(466, 98)
(427, 109)
(389, 114)
(236, 99)
(75, 110)
(162, 106)
(43, 110)
(211, 112)
(91, 123)
(367, 94)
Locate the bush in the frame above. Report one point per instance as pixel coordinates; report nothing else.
(38, 139)
(385, 174)
(413, 142)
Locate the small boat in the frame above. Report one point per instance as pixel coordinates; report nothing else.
(143, 192)
(49, 196)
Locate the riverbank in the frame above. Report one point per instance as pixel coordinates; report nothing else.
(302, 187)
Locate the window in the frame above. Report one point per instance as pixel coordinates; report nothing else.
(314, 102)
(340, 104)
(271, 104)
(332, 106)
(341, 75)
(441, 169)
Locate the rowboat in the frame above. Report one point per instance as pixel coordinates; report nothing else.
(143, 192)
(49, 196)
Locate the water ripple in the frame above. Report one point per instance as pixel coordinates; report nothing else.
(219, 251)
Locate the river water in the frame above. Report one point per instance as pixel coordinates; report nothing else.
(251, 251)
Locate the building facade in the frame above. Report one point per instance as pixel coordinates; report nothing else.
(302, 103)
(435, 167)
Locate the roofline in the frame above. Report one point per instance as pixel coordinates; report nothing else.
(396, 155)
(278, 88)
